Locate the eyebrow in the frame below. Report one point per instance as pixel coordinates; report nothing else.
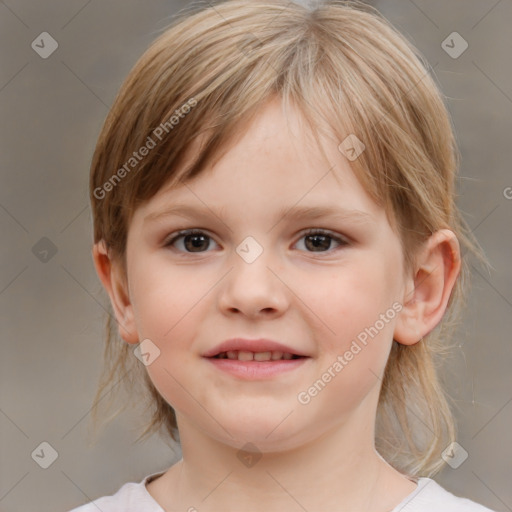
(295, 212)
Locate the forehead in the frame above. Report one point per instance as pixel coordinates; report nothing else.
(273, 164)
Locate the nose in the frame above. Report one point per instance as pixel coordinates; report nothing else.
(254, 288)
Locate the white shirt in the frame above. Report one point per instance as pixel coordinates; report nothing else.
(429, 496)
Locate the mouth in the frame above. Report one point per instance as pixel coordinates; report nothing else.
(254, 350)
(243, 355)
(257, 366)
(256, 360)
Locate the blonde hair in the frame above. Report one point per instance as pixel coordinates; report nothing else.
(348, 71)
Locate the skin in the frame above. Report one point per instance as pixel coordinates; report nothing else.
(318, 456)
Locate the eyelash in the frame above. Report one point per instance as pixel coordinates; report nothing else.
(313, 231)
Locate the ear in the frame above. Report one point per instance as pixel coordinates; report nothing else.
(428, 291)
(115, 283)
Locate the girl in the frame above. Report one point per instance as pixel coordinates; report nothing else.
(275, 225)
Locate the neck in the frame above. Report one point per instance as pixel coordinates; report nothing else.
(352, 476)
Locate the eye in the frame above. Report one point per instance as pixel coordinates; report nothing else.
(196, 241)
(321, 239)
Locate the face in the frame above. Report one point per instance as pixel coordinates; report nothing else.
(328, 286)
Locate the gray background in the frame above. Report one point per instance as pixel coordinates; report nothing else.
(52, 316)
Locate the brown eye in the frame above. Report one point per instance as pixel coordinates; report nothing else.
(197, 241)
(319, 240)
(194, 241)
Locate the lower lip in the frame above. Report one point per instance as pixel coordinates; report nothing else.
(256, 370)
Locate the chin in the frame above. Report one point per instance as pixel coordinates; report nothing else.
(269, 432)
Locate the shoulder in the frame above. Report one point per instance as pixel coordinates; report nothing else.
(429, 495)
(131, 497)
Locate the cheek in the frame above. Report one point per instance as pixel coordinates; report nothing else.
(350, 301)
(166, 303)
(168, 306)
(354, 338)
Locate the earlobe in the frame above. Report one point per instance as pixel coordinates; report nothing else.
(428, 291)
(115, 284)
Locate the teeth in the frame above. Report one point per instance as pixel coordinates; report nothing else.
(245, 356)
(262, 356)
(242, 355)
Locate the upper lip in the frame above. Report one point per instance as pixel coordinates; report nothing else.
(259, 345)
